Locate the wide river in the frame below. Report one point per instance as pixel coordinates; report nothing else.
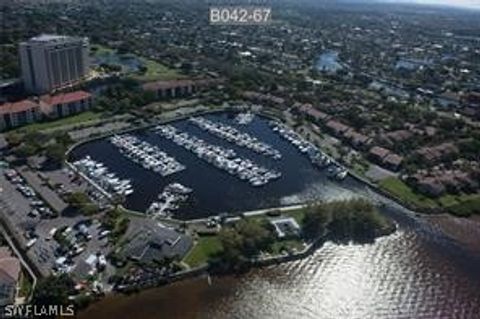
(421, 271)
(429, 268)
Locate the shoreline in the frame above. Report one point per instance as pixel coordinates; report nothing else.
(270, 114)
(203, 270)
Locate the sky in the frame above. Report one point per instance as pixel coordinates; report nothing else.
(458, 3)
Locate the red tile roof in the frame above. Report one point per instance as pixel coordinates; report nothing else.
(337, 126)
(11, 267)
(65, 98)
(263, 97)
(393, 159)
(319, 115)
(17, 107)
(5, 252)
(400, 135)
(378, 151)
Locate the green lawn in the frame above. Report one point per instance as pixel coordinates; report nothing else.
(25, 284)
(100, 49)
(448, 200)
(75, 119)
(462, 204)
(205, 247)
(298, 214)
(288, 245)
(156, 71)
(405, 193)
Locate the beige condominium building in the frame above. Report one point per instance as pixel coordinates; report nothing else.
(51, 62)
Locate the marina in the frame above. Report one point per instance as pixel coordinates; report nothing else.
(317, 157)
(244, 118)
(146, 155)
(169, 200)
(99, 174)
(235, 136)
(222, 158)
(215, 190)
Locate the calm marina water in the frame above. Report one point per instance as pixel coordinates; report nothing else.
(429, 268)
(299, 182)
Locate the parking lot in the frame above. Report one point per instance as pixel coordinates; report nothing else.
(35, 225)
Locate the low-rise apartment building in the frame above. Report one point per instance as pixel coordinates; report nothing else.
(65, 104)
(29, 111)
(19, 113)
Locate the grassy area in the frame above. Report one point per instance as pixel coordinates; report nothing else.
(75, 119)
(25, 285)
(448, 200)
(462, 204)
(297, 214)
(156, 71)
(407, 194)
(206, 247)
(286, 245)
(100, 49)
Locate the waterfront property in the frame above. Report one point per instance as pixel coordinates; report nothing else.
(18, 113)
(44, 62)
(66, 104)
(178, 88)
(151, 242)
(235, 179)
(286, 227)
(28, 111)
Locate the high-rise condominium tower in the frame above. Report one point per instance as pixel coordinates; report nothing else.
(50, 62)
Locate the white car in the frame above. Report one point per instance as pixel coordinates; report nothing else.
(51, 233)
(103, 234)
(31, 242)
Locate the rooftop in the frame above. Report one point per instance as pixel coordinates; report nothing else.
(285, 226)
(17, 107)
(65, 97)
(52, 38)
(152, 242)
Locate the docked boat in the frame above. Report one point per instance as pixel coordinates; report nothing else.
(169, 200)
(147, 155)
(235, 136)
(244, 118)
(220, 157)
(98, 173)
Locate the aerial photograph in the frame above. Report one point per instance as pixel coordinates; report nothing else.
(246, 159)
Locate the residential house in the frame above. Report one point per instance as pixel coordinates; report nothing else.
(386, 158)
(337, 128)
(178, 88)
(313, 114)
(436, 153)
(265, 98)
